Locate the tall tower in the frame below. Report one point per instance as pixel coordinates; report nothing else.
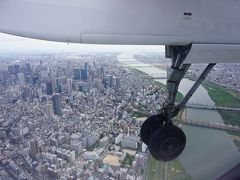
(34, 148)
(49, 110)
(21, 78)
(28, 68)
(49, 88)
(86, 65)
(58, 85)
(69, 86)
(76, 74)
(56, 101)
(110, 80)
(84, 75)
(117, 82)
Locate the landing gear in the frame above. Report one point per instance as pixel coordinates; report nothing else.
(167, 143)
(165, 140)
(152, 124)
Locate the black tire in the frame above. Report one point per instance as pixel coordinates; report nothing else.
(167, 143)
(150, 125)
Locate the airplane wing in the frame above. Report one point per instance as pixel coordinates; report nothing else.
(208, 25)
(92, 21)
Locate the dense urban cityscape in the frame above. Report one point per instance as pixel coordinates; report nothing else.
(71, 116)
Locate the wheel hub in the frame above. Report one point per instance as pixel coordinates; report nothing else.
(167, 143)
(169, 146)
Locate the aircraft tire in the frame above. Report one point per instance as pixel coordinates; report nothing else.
(167, 143)
(149, 126)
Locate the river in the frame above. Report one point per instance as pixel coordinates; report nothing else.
(208, 153)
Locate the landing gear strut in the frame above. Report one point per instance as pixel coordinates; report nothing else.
(165, 140)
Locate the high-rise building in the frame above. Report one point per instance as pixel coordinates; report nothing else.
(17, 68)
(86, 65)
(21, 78)
(117, 82)
(80, 88)
(49, 110)
(34, 148)
(69, 86)
(44, 75)
(104, 82)
(56, 101)
(102, 72)
(5, 76)
(76, 74)
(49, 88)
(11, 69)
(35, 79)
(58, 85)
(28, 68)
(84, 75)
(110, 80)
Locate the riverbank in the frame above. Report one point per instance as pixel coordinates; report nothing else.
(222, 96)
(136, 71)
(156, 170)
(179, 95)
(226, 98)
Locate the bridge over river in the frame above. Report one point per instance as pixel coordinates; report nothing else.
(208, 124)
(203, 106)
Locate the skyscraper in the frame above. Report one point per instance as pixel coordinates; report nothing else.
(44, 75)
(84, 75)
(58, 85)
(11, 69)
(17, 68)
(76, 74)
(69, 86)
(56, 101)
(85, 65)
(117, 82)
(102, 72)
(34, 148)
(21, 78)
(49, 110)
(5, 76)
(49, 88)
(28, 68)
(110, 80)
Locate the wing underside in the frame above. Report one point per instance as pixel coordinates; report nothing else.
(135, 22)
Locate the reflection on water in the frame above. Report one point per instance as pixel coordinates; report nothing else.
(208, 153)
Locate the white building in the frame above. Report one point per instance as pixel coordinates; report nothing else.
(90, 156)
(118, 138)
(129, 144)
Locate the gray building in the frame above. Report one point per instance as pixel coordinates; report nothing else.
(56, 101)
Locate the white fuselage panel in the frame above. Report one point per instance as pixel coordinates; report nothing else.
(145, 22)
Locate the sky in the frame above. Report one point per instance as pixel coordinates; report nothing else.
(15, 44)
